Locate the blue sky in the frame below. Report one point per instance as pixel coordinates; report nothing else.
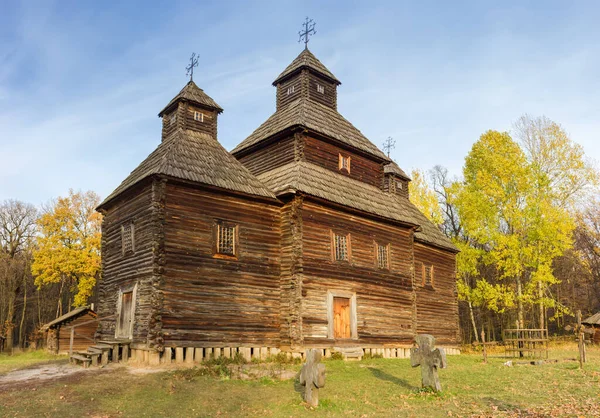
(81, 83)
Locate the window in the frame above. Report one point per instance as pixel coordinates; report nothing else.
(383, 257)
(290, 90)
(341, 247)
(199, 116)
(127, 238)
(399, 185)
(172, 119)
(428, 275)
(344, 163)
(321, 89)
(226, 239)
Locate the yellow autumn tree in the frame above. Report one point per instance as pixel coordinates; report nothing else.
(68, 247)
(423, 197)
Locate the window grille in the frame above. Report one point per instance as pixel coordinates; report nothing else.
(226, 239)
(172, 119)
(127, 237)
(428, 276)
(341, 247)
(290, 90)
(321, 89)
(382, 256)
(199, 116)
(399, 185)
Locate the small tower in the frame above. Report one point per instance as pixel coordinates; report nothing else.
(306, 77)
(191, 109)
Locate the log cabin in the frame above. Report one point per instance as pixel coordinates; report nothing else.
(303, 236)
(58, 332)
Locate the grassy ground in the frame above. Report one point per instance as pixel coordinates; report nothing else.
(25, 359)
(375, 387)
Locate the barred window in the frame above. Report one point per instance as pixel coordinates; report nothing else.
(199, 116)
(290, 90)
(226, 239)
(341, 247)
(428, 275)
(321, 89)
(127, 238)
(344, 163)
(399, 185)
(173, 118)
(383, 256)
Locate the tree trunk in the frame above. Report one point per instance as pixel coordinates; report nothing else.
(520, 309)
(10, 316)
(541, 313)
(473, 321)
(21, 341)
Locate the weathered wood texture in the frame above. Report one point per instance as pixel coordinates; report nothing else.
(80, 342)
(210, 299)
(328, 93)
(122, 271)
(270, 156)
(393, 184)
(384, 297)
(207, 125)
(327, 155)
(437, 306)
(285, 95)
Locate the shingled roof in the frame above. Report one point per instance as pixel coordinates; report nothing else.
(337, 188)
(394, 168)
(192, 93)
(306, 60)
(315, 116)
(592, 320)
(197, 157)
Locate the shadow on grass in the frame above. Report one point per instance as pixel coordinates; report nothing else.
(381, 375)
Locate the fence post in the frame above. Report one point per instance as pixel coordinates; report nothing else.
(71, 341)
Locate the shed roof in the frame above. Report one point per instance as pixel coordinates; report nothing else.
(197, 157)
(314, 116)
(192, 93)
(75, 313)
(338, 188)
(592, 320)
(306, 59)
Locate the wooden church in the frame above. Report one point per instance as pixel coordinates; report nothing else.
(303, 236)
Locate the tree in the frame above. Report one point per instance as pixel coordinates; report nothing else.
(424, 198)
(68, 248)
(17, 227)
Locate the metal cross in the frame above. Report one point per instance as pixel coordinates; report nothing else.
(388, 145)
(309, 29)
(190, 68)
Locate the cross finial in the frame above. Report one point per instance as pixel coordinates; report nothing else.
(309, 30)
(388, 145)
(192, 65)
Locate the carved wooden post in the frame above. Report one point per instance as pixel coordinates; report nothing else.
(429, 359)
(580, 340)
(312, 376)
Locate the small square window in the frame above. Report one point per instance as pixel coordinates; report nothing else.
(226, 239)
(321, 89)
(383, 256)
(344, 163)
(290, 90)
(127, 238)
(173, 119)
(341, 247)
(399, 185)
(198, 116)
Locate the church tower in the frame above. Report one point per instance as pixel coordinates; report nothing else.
(192, 109)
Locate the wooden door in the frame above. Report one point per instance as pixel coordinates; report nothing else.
(125, 315)
(341, 318)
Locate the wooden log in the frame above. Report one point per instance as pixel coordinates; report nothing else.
(179, 354)
(227, 352)
(154, 358)
(125, 353)
(327, 353)
(274, 351)
(189, 355)
(208, 354)
(167, 356)
(198, 355)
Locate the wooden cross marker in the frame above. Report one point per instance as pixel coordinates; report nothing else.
(309, 30)
(312, 377)
(192, 65)
(429, 359)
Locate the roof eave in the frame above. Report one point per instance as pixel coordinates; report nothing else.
(284, 77)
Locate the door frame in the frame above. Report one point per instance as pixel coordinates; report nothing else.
(330, 314)
(126, 289)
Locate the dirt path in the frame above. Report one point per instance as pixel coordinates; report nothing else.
(40, 373)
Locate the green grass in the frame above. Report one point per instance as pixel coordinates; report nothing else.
(371, 388)
(24, 359)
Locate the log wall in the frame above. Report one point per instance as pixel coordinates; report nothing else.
(384, 297)
(270, 156)
(326, 155)
(328, 97)
(63, 333)
(437, 306)
(123, 271)
(211, 300)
